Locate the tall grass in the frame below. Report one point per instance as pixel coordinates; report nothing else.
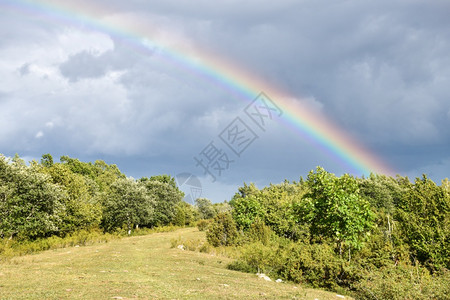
(10, 248)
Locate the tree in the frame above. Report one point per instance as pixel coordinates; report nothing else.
(381, 191)
(167, 197)
(205, 208)
(47, 160)
(30, 206)
(424, 217)
(83, 209)
(334, 209)
(128, 203)
(246, 209)
(222, 231)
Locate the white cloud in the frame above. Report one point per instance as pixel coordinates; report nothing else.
(39, 134)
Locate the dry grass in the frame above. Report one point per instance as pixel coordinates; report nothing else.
(143, 267)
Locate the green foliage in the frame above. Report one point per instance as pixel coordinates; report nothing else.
(246, 208)
(403, 282)
(334, 209)
(100, 172)
(11, 248)
(424, 216)
(47, 160)
(383, 223)
(382, 192)
(260, 232)
(83, 209)
(396, 232)
(222, 207)
(205, 208)
(223, 231)
(315, 264)
(202, 225)
(186, 214)
(278, 202)
(161, 178)
(167, 198)
(128, 203)
(30, 206)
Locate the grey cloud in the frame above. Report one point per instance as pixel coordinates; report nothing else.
(87, 64)
(24, 69)
(380, 70)
(83, 65)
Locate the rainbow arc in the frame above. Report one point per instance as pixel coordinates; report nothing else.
(145, 38)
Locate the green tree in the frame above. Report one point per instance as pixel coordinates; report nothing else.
(222, 207)
(424, 217)
(222, 231)
(334, 209)
(205, 208)
(246, 209)
(47, 160)
(167, 197)
(128, 203)
(83, 209)
(30, 206)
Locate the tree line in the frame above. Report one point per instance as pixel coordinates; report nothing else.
(50, 198)
(378, 237)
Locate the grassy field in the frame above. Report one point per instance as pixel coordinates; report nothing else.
(143, 267)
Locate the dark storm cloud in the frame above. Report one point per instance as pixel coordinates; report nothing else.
(380, 70)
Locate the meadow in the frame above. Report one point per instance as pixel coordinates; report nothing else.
(138, 267)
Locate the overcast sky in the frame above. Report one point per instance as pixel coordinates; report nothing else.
(380, 70)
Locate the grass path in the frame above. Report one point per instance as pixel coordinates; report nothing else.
(143, 267)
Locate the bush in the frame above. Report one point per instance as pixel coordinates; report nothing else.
(202, 225)
(260, 232)
(240, 265)
(315, 264)
(403, 282)
(222, 231)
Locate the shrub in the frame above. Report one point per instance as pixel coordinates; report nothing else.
(260, 232)
(202, 225)
(315, 264)
(222, 231)
(240, 265)
(403, 282)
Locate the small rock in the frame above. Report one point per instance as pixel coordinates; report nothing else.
(278, 280)
(198, 279)
(68, 290)
(264, 276)
(77, 246)
(181, 247)
(225, 285)
(340, 296)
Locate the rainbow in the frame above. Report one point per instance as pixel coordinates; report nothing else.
(148, 38)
